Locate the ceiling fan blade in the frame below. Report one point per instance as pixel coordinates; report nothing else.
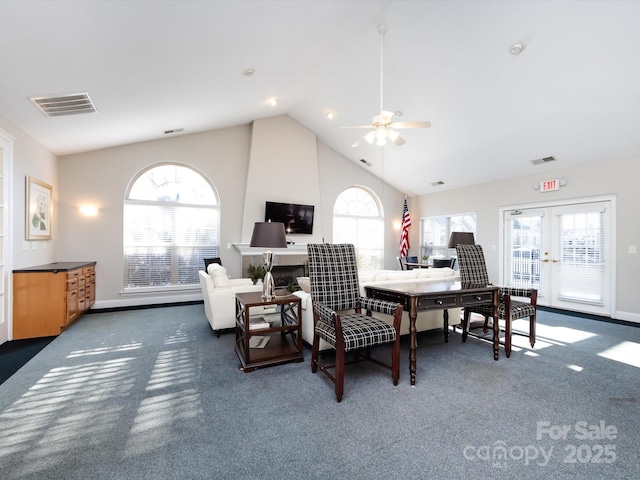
(399, 141)
(411, 125)
(358, 126)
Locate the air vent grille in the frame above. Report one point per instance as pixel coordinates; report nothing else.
(73, 104)
(368, 164)
(437, 184)
(540, 161)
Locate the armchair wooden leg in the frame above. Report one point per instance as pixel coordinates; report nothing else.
(507, 336)
(339, 380)
(465, 324)
(395, 361)
(315, 348)
(532, 330)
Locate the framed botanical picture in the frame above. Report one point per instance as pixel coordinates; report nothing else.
(39, 209)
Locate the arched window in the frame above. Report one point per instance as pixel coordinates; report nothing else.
(358, 219)
(171, 222)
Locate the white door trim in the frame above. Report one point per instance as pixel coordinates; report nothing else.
(557, 203)
(6, 143)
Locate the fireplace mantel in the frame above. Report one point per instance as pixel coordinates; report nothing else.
(295, 249)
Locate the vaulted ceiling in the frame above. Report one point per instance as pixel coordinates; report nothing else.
(152, 66)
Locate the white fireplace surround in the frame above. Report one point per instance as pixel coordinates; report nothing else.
(295, 254)
(295, 249)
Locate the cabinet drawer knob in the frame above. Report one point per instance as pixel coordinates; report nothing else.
(438, 302)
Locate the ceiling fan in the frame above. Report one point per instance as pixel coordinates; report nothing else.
(383, 128)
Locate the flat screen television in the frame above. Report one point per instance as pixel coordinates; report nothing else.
(296, 218)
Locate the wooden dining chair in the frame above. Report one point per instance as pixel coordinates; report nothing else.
(473, 270)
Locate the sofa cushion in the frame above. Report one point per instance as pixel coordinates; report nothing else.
(435, 272)
(305, 284)
(219, 275)
(398, 275)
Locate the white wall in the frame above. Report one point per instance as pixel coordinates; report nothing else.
(30, 159)
(616, 177)
(228, 157)
(101, 178)
(282, 168)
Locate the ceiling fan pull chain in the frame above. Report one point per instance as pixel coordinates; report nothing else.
(382, 29)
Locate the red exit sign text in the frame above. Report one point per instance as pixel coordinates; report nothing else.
(549, 185)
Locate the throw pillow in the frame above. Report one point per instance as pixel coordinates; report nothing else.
(305, 284)
(219, 275)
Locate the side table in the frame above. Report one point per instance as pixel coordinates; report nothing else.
(283, 335)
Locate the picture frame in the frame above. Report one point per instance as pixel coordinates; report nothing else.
(39, 208)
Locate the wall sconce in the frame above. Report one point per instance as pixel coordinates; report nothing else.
(89, 210)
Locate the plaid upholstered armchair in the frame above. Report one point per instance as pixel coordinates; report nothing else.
(473, 270)
(338, 317)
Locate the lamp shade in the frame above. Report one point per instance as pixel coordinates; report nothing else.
(268, 235)
(461, 238)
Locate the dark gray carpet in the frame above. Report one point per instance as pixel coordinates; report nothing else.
(153, 394)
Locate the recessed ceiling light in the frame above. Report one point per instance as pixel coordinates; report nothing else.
(273, 102)
(517, 48)
(330, 115)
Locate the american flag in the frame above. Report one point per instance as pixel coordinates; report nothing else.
(404, 236)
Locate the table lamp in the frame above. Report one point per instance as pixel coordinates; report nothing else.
(461, 238)
(269, 235)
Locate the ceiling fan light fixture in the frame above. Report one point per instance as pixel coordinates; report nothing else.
(382, 125)
(370, 137)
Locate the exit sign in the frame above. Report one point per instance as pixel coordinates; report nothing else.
(549, 185)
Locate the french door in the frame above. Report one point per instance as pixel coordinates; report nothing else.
(565, 251)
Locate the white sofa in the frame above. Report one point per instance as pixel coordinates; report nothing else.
(219, 295)
(426, 320)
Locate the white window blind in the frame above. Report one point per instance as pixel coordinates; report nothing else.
(167, 233)
(435, 233)
(357, 219)
(581, 243)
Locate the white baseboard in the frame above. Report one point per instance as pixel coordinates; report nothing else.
(149, 300)
(628, 316)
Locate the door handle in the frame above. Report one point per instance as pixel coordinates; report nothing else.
(549, 260)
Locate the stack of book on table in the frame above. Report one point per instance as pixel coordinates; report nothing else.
(258, 323)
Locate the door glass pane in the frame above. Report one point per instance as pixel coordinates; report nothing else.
(523, 251)
(581, 239)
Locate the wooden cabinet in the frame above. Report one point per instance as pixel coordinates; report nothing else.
(49, 298)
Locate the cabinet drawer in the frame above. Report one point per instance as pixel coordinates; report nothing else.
(474, 298)
(81, 280)
(88, 270)
(437, 302)
(72, 284)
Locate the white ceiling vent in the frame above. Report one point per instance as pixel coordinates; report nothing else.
(540, 161)
(57, 106)
(437, 184)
